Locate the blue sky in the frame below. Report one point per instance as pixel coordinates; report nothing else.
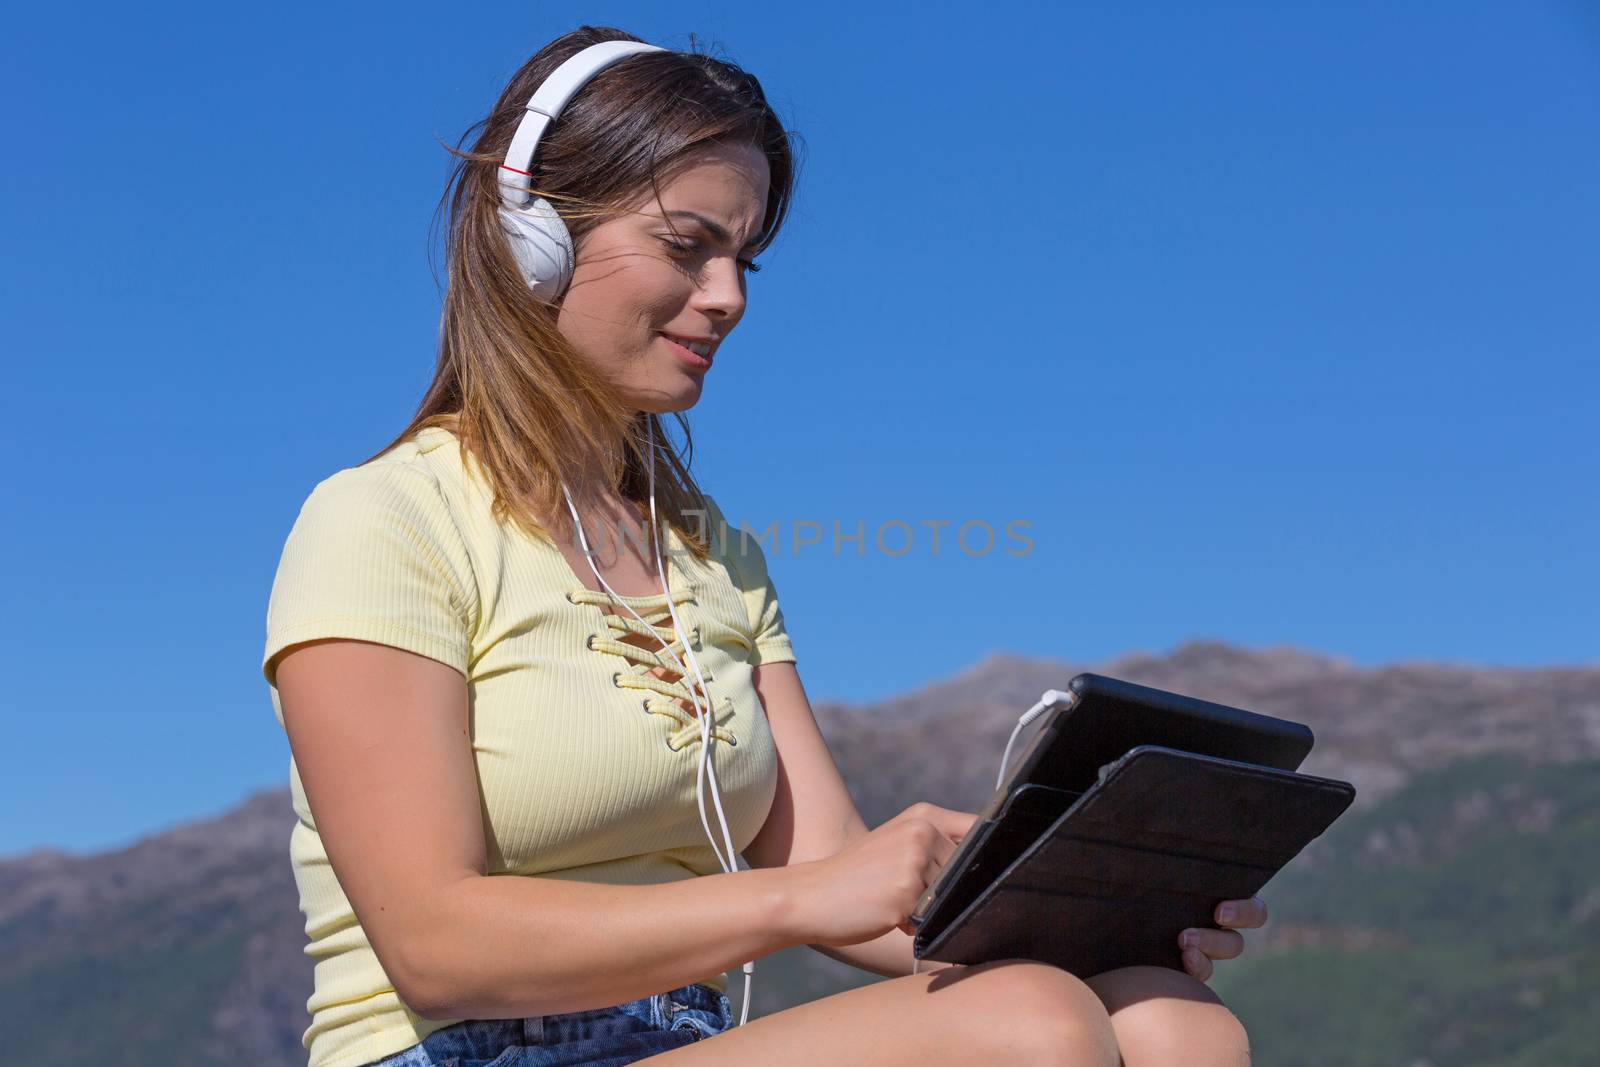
(1275, 323)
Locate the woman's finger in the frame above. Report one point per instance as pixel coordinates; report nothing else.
(953, 824)
(1242, 914)
(1216, 944)
(1195, 962)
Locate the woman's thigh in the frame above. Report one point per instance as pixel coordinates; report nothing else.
(1165, 1016)
(1004, 1012)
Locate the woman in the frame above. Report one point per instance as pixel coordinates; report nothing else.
(464, 703)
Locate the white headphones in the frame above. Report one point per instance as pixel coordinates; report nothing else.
(543, 249)
(538, 239)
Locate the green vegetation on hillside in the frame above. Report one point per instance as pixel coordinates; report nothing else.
(1460, 925)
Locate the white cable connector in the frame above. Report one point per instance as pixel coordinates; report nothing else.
(1048, 701)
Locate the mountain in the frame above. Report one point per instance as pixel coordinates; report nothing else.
(183, 948)
(1374, 727)
(1450, 918)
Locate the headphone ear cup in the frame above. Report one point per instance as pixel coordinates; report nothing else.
(541, 245)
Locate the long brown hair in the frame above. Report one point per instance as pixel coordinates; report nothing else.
(528, 408)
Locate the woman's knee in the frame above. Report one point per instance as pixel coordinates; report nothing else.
(1037, 1013)
(1162, 1015)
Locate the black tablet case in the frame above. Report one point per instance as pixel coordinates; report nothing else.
(1108, 877)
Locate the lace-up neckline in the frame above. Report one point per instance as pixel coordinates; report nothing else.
(639, 663)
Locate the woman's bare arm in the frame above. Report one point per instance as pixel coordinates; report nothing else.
(380, 741)
(813, 815)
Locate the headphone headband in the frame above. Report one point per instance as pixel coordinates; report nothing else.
(547, 102)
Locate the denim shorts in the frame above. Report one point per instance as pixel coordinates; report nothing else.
(601, 1037)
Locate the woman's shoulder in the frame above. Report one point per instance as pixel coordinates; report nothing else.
(738, 544)
(376, 554)
(410, 492)
(743, 552)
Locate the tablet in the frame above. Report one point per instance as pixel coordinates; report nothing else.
(1147, 851)
(1105, 719)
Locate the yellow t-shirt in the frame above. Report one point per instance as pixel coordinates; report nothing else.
(587, 765)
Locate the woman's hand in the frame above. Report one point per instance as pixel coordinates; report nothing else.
(1201, 944)
(870, 886)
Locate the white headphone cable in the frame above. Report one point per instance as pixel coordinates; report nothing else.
(731, 864)
(1048, 701)
(694, 663)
